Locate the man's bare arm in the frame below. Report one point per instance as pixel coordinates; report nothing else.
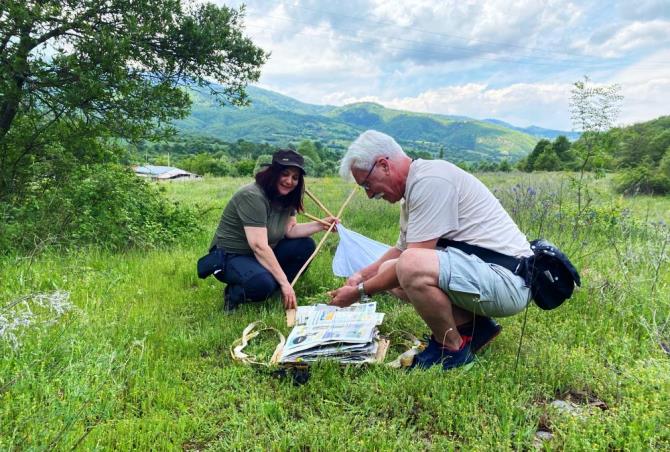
(386, 279)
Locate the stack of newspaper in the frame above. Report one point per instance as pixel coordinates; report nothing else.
(348, 335)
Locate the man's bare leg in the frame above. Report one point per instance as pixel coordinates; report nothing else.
(398, 292)
(460, 315)
(418, 275)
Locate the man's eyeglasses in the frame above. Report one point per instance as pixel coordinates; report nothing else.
(365, 184)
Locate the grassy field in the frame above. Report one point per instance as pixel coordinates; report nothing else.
(131, 350)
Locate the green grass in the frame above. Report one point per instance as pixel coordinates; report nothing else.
(142, 361)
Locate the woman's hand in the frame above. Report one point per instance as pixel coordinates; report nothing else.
(344, 296)
(288, 296)
(328, 221)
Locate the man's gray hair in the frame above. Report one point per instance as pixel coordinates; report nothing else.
(366, 149)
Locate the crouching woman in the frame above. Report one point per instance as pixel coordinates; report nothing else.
(265, 247)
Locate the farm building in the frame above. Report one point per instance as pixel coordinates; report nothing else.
(163, 173)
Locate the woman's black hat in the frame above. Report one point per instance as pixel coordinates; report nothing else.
(289, 157)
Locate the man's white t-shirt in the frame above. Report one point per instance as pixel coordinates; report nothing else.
(443, 201)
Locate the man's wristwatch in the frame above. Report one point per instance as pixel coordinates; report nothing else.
(361, 290)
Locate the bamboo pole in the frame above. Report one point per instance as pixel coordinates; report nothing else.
(317, 219)
(318, 247)
(323, 239)
(290, 313)
(318, 203)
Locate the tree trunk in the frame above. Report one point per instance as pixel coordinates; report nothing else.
(8, 112)
(18, 71)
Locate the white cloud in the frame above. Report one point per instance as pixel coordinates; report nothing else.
(644, 9)
(623, 40)
(307, 65)
(509, 60)
(646, 88)
(422, 31)
(520, 104)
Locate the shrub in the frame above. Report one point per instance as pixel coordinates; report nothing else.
(206, 164)
(103, 205)
(245, 167)
(642, 179)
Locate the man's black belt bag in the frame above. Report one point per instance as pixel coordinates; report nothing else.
(548, 272)
(212, 263)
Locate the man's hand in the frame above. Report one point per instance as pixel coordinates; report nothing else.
(344, 296)
(288, 297)
(355, 279)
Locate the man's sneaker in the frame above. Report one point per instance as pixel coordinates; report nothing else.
(482, 330)
(233, 296)
(435, 354)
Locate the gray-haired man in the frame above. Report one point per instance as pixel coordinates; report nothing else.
(446, 213)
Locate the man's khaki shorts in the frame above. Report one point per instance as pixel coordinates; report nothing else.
(479, 287)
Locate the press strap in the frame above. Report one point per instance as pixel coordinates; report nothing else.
(247, 335)
(511, 263)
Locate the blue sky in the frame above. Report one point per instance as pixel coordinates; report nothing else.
(514, 61)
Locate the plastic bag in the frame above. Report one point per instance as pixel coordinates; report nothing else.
(354, 252)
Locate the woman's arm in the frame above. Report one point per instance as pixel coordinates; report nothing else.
(295, 230)
(258, 241)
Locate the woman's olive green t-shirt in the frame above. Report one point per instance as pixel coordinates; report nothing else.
(249, 206)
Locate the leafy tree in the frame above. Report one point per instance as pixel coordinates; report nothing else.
(73, 71)
(505, 166)
(638, 151)
(311, 167)
(261, 161)
(308, 149)
(486, 166)
(161, 160)
(466, 166)
(327, 153)
(205, 164)
(639, 145)
(328, 168)
(243, 149)
(644, 153)
(419, 154)
(548, 156)
(245, 167)
(561, 146)
(664, 165)
(548, 160)
(537, 151)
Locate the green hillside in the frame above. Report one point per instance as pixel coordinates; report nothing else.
(539, 132)
(277, 119)
(642, 153)
(461, 138)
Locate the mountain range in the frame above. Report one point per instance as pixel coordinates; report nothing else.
(538, 132)
(279, 120)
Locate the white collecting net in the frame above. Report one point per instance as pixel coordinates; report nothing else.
(354, 252)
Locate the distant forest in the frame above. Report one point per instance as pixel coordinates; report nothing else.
(639, 153)
(211, 156)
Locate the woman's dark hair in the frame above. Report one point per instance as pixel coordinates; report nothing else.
(268, 179)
